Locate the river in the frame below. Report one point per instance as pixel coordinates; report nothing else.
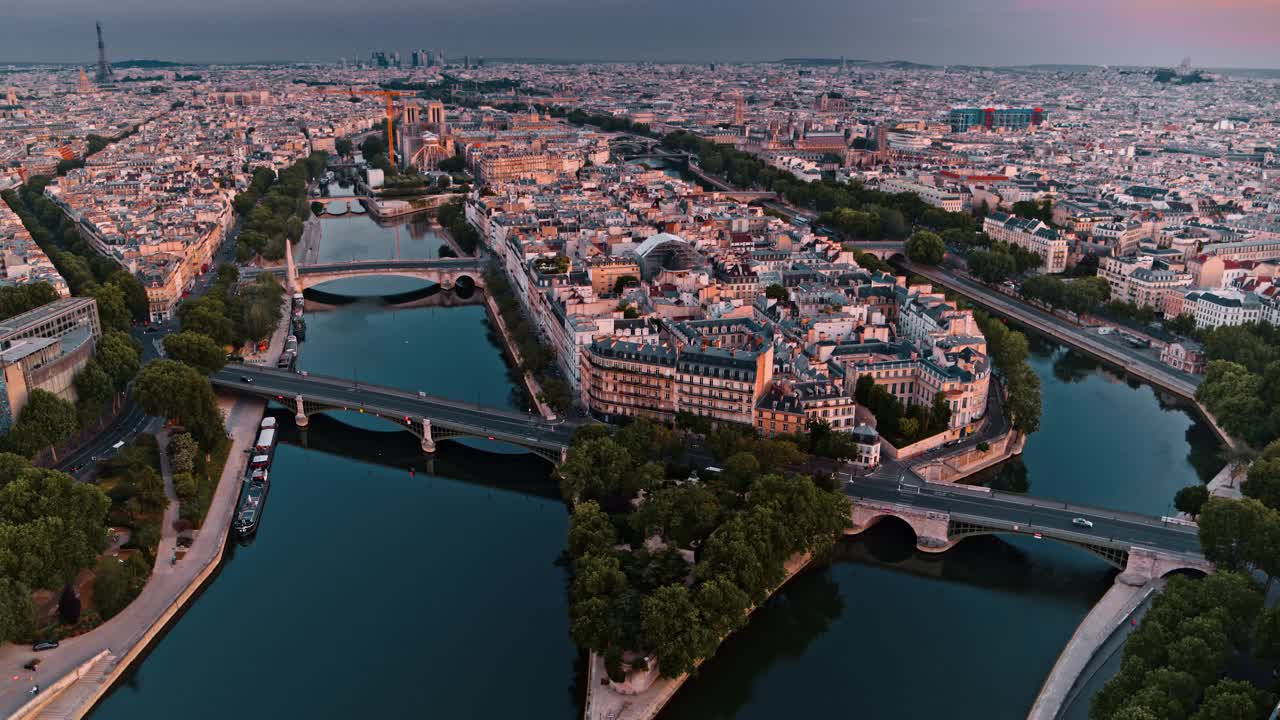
(371, 590)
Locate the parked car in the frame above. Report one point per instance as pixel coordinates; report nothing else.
(44, 645)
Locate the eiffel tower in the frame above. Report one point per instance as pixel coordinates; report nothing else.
(104, 70)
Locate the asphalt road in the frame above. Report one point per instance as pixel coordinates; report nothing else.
(520, 428)
(1030, 515)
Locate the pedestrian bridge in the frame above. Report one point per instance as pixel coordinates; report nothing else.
(428, 417)
(1143, 547)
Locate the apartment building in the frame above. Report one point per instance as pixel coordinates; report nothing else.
(1032, 235)
(1141, 280)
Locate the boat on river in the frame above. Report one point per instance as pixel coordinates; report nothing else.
(257, 481)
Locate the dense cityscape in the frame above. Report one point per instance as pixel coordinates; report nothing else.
(688, 361)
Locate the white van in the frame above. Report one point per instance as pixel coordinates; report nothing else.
(269, 422)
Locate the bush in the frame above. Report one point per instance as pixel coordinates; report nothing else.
(185, 485)
(984, 446)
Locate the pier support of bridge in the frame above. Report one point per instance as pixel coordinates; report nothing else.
(428, 443)
(300, 418)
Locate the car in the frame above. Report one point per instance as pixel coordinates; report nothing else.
(1081, 522)
(246, 379)
(44, 645)
(31, 664)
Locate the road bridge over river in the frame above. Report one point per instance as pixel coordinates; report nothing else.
(428, 417)
(942, 515)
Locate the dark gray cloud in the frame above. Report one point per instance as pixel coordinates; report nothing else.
(1148, 32)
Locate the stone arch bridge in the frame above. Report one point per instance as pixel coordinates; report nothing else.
(1142, 547)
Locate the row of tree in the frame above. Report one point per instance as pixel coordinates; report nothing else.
(1242, 384)
(1080, 295)
(121, 297)
(231, 315)
(453, 217)
(998, 261)
(634, 593)
(1010, 353)
(536, 357)
(275, 208)
(1174, 663)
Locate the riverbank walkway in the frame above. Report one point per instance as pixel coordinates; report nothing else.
(1102, 622)
(126, 636)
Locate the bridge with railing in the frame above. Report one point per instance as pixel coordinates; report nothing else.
(942, 515)
(428, 417)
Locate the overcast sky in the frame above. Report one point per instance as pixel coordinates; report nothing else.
(1214, 33)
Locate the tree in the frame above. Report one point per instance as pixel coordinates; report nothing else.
(196, 350)
(185, 485)
(598, 585)
(1267, 637)
(167, 388)
(740, 470)
(1183, 325)
(682, 514)
(991, 266)
(590, 530)
(94, 389)
(776, 292)
(673, 627)
(1263, 483)
(1234, 700)
(50, 525)
(150, 488)
(925, 248)
(119, 357)
(112, 309)
(1191, 499)
(69, 606)
(17, 299)
(17, 611)
(342, 147)
(45, 421)
(1228, 529)
(595, 469)
(939, 414)
(182, 451)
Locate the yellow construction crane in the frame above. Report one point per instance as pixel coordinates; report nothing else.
(389, 95)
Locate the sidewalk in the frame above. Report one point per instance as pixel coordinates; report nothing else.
(1097, 627)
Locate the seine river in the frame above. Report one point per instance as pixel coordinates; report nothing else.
(381, 584)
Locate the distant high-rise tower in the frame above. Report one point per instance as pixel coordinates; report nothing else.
(11, 96)
(466, 62)
(83, 86)
(842, 64)
(738, 114)
(104, 70)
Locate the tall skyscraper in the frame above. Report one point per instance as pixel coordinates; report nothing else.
(104, 70)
